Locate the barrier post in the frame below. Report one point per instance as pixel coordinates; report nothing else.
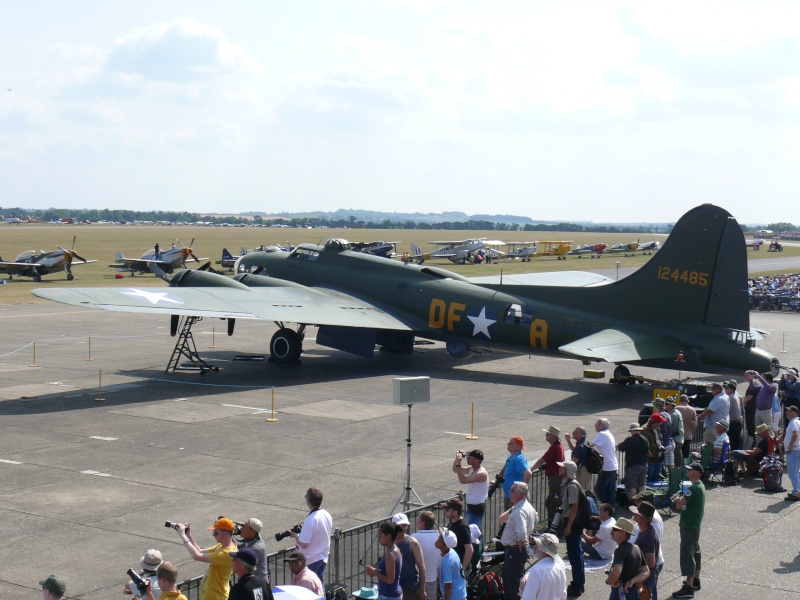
(272, 419)
(90, 349)
(472, 435)
(34, 355)
(100, 388)
(783, 343)
(213, 336)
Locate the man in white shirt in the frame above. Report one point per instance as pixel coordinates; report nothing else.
(547, 578)
(520, 520)
(721, 429)
(314, 538)
(426, 535)
(476, 479)
(606, 485)
(791, 444)
(718, 408)
(601, 546)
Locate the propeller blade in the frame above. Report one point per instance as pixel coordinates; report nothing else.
(158, 271)
(194, 257)
(74, 237)
(79, 257)
(191, 244)
(62, 249)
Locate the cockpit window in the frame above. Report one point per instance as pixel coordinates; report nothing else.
(337, 245)
(304, 254)
(518, 315)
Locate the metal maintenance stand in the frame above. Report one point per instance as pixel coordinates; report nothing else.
(186, 347)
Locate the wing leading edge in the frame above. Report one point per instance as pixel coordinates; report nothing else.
(292, 304)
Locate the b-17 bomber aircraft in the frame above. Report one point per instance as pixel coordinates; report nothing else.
(35, 264)
(696, 287)
(167, 260)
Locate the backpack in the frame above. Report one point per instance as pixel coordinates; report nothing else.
(336, 592)
(593, 461)
(773, 478)
(489, 587)
(729, 475)
(584, 517)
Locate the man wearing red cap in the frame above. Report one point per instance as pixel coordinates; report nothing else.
(515, 469)
(216, 583)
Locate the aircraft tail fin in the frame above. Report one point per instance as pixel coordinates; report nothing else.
(119, 255)
(226, 255)
(242, 251)
(416, 250)
(698, 276)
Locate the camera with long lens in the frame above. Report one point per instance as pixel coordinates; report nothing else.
(288, 532)
(140, 582)
(498, 481)
(237, 527)
(175, 526)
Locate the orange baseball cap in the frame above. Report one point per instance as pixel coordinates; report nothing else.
(519, 441)
(224, 524)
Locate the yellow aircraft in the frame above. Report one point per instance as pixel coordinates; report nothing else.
(557, 249)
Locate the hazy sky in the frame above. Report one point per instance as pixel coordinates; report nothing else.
(598, 110)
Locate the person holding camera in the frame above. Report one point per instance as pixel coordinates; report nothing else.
(250, 532)
(476, 479)
(314, 538)
(148, 563)
(249, 585)
(789, 391)
(216, 583)
(167, 579)
(387, 571)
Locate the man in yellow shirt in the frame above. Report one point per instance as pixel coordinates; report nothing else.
(216, 583)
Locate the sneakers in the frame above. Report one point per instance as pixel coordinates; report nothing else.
(572, 592)
(696, 584)
(791, 498)
(686, 591)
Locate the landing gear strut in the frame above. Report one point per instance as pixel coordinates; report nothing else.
(286, 346)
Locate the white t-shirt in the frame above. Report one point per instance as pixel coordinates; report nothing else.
(316, 533)
(606, 446)
(430, 553)
(606, 546)
(546, 579)
(794, 425)
(478, 491)
(719, 406)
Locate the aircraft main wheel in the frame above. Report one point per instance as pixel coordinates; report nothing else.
(70, 276)
(285, 346)
(37, 278)
(621, 374)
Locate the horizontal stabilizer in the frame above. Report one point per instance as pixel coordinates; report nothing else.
(616, 346)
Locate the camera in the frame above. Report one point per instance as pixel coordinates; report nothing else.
(288, 532)
(140, 582)
(498, 481)
(175, 526)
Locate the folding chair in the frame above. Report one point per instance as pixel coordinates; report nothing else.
(663, 494)
(715, 469)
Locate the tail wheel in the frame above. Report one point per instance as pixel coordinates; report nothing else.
(285, 346)
(622, 375)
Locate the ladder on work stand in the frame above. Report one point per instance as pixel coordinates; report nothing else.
(186, 347)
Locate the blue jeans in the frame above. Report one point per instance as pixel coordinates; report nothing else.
(654, 471)
(651, 583)
(590, 550)
(319, 568)
(606, 487)
(618, 594)
(474, 519)
(575, 555)
(793, 469)
(513, 570)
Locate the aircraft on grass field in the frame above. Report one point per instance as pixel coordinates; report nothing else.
(12, 220)
(523, 250)
(557, 249)
(624, 248)
(696, 310)
(648, 247)
(228, 260)
(377, 248)
(754, 244)
(596, 249)
(457, 251)
(167, 260)
(35, 264)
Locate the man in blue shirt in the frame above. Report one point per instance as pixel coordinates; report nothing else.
(516, 468)
(452, 584)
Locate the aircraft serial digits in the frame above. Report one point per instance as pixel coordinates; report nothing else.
(696, 287)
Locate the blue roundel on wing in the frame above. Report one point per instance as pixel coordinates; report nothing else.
(484, 321)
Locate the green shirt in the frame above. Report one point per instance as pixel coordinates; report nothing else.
(692, 515)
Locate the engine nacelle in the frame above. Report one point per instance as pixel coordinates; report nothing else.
(458, 350)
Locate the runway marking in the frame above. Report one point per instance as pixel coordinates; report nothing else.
(454, 433)
(98, 473)
(10, 462)
(247, 407)
(105, 439)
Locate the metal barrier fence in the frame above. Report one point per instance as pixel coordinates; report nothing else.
(352, 549)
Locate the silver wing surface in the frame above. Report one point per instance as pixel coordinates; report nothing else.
(293, 304)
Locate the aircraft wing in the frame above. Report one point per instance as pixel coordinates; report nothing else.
(82, 262)
(293, 304)
(139, 264)
(20, 264)
(616, 346)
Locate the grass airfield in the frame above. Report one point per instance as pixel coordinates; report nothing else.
(101, 242)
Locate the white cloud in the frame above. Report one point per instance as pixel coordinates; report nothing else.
(356, 42)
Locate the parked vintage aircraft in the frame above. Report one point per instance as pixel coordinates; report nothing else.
(522, 250)
(754, 244)
(696, 309)
(581, 251)
(167, 260)
(228, 260)
(456, 251)
(12, 220)
(35, 264)
(623, 248)
(377, 248)
(557, 249)
(648, 247)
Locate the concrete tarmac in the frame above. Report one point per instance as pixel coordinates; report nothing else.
(87, 483)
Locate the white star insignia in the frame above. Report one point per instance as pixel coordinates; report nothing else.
(152, 297)
(481, 324)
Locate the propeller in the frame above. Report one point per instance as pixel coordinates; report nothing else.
(158, 271)
(186, 252)
(70, 254)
